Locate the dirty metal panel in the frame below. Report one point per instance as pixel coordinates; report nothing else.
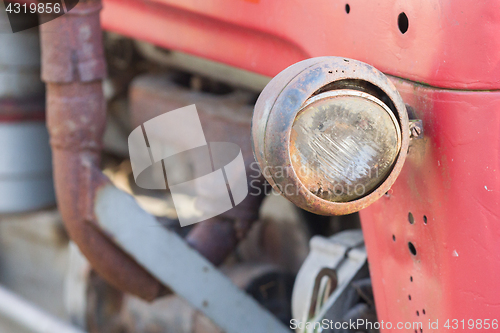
(432, 240)
(416, 40)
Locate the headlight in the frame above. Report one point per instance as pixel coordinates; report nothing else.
(329, 134)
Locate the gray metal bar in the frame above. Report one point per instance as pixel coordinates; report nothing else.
(30, 317)
(167, 257)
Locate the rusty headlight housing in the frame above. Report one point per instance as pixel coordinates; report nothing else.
(330, 134)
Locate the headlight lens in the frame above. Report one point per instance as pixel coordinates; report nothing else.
(343, 144)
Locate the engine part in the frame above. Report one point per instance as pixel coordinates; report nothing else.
(340, 259)
(330, 134)
(268, 284)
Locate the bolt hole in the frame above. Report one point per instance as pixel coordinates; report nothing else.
(411, 219)
(409, 297)
(347, 8)
(413, 250)
(425, 219)
(393, 237)
(423, 311)
(403, 23)
(411, 278)
(330, 72)
(418, 313)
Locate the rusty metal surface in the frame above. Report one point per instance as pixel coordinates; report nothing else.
(276, 111)
(73, 66)
(214, 238)
(226, 117)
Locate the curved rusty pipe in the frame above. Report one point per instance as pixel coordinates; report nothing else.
(73, 67)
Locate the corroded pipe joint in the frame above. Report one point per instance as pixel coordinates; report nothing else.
(72, 48)
(73, 67)
(218, 237)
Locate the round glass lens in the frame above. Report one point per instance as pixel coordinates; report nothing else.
(342, 147)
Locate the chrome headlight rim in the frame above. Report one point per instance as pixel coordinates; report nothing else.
(287, 94)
